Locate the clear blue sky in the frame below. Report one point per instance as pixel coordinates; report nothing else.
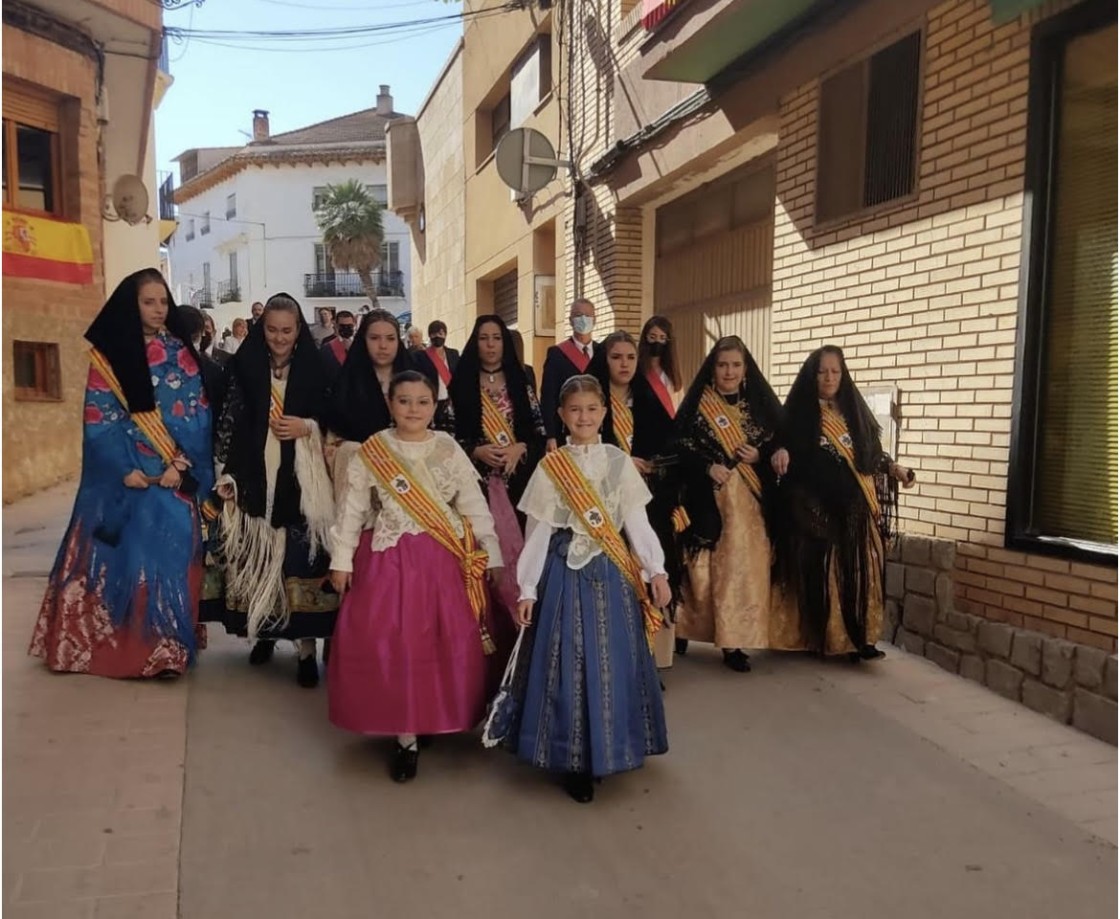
(216, 88)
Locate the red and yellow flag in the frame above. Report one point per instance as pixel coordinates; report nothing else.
(46, 249)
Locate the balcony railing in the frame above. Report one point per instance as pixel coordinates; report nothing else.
(167, 197)
(348, 284)
(203, 297)
(229, 291)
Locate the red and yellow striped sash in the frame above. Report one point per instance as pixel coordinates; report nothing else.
(583, 500)
(623, 424)
(835, 428)
(424, 509)
(275, 404)
(725, 421)
(494, 424)
(150, 422)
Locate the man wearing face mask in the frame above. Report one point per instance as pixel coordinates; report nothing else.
(196, 322)
(335, 347)
(437, 362)
(207, 345)
(564, 361)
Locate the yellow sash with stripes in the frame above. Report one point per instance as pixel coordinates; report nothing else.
(150, 422)
(725, 420)
(623, 424)
(275, 404)
(835, 428)
(494, 423)
(585, 503)
(426, 511)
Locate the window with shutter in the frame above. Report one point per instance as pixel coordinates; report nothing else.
(1063, 483)
(505, 297)
(867, 133)
(32, 150)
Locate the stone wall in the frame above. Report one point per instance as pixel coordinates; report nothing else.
(1071, 683)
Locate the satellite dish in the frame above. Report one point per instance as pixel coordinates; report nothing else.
(526, 160)
(130, 200)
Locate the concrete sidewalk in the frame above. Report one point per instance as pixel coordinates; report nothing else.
(802, 789)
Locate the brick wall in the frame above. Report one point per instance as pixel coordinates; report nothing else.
(925, 294)
(42, 440)
(606, 266)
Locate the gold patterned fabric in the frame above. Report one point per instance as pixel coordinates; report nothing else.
(726, 590)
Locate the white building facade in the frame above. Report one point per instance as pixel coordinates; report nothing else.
(246, 219)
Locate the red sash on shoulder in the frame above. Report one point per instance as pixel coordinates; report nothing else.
(575, 354)
(662, 392)
(338, 349)
(441, 366)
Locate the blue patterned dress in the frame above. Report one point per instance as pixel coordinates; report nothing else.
(122, 600)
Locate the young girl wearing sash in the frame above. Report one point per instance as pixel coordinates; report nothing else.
(358, 403)
(278, 500)
(586, 697)
(410, 550)
(640, 423)
(727, 423)
(840, 492)
(122, 599)
(498, 423)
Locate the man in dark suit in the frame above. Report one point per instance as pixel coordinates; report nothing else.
(213, 373)
(209, 344)
(335, 347)
(564, 361)
(437, 362)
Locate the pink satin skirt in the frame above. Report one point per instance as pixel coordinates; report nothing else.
(407, 655)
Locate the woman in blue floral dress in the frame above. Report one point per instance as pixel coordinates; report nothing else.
(122, 600)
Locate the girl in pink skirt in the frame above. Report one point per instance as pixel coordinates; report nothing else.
(410, 551)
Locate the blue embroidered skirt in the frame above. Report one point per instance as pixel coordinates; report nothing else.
(586, 691)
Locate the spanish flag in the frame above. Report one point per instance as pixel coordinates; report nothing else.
(46, 249)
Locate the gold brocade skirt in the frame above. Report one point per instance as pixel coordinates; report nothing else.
(726, 591)
(836, 640)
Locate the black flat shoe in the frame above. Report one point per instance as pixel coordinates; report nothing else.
(168, 675)
(737, 660)
(424, 741)
(680, 646)
(404, 763)
(307, 674)
(580, 787)
(262, 652)
(871, 653)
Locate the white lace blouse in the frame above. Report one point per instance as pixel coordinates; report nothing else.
(623, 493)
(442, 468)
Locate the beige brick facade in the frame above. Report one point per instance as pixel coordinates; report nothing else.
(923, 293)
(42, 440)
(437, 253)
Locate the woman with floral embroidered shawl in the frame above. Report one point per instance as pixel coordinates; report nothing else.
(122, 599)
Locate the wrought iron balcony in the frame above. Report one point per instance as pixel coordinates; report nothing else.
(348, 284)
(229, 291)
(203, 298)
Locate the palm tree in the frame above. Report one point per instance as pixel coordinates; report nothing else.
(350, 220)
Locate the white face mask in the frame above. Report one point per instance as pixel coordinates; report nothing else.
(582, 325)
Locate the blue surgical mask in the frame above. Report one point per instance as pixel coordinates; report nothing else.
(582, 325)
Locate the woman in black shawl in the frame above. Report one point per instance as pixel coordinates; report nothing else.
(498, 423)
(357, 407)
(841, 489)
(122, 598)
(638, 423)
(727, 424)
(278, 501)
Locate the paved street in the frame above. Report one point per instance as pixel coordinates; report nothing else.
(800, 790)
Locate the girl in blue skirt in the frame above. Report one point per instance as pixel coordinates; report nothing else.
(585, 692)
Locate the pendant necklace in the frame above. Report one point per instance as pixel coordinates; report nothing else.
(278, 369)
(490, 373)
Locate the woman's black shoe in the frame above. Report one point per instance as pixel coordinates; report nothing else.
(403, 766)
(870, 653)
(262, 652)
(307, 674)
(737, 660)
(580, 787)
(168, 675)
(424, 741)
(680, 645)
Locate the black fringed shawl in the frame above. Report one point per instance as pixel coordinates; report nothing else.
(243, 428)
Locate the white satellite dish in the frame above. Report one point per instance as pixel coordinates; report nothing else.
(130, 200)
(526, 160)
